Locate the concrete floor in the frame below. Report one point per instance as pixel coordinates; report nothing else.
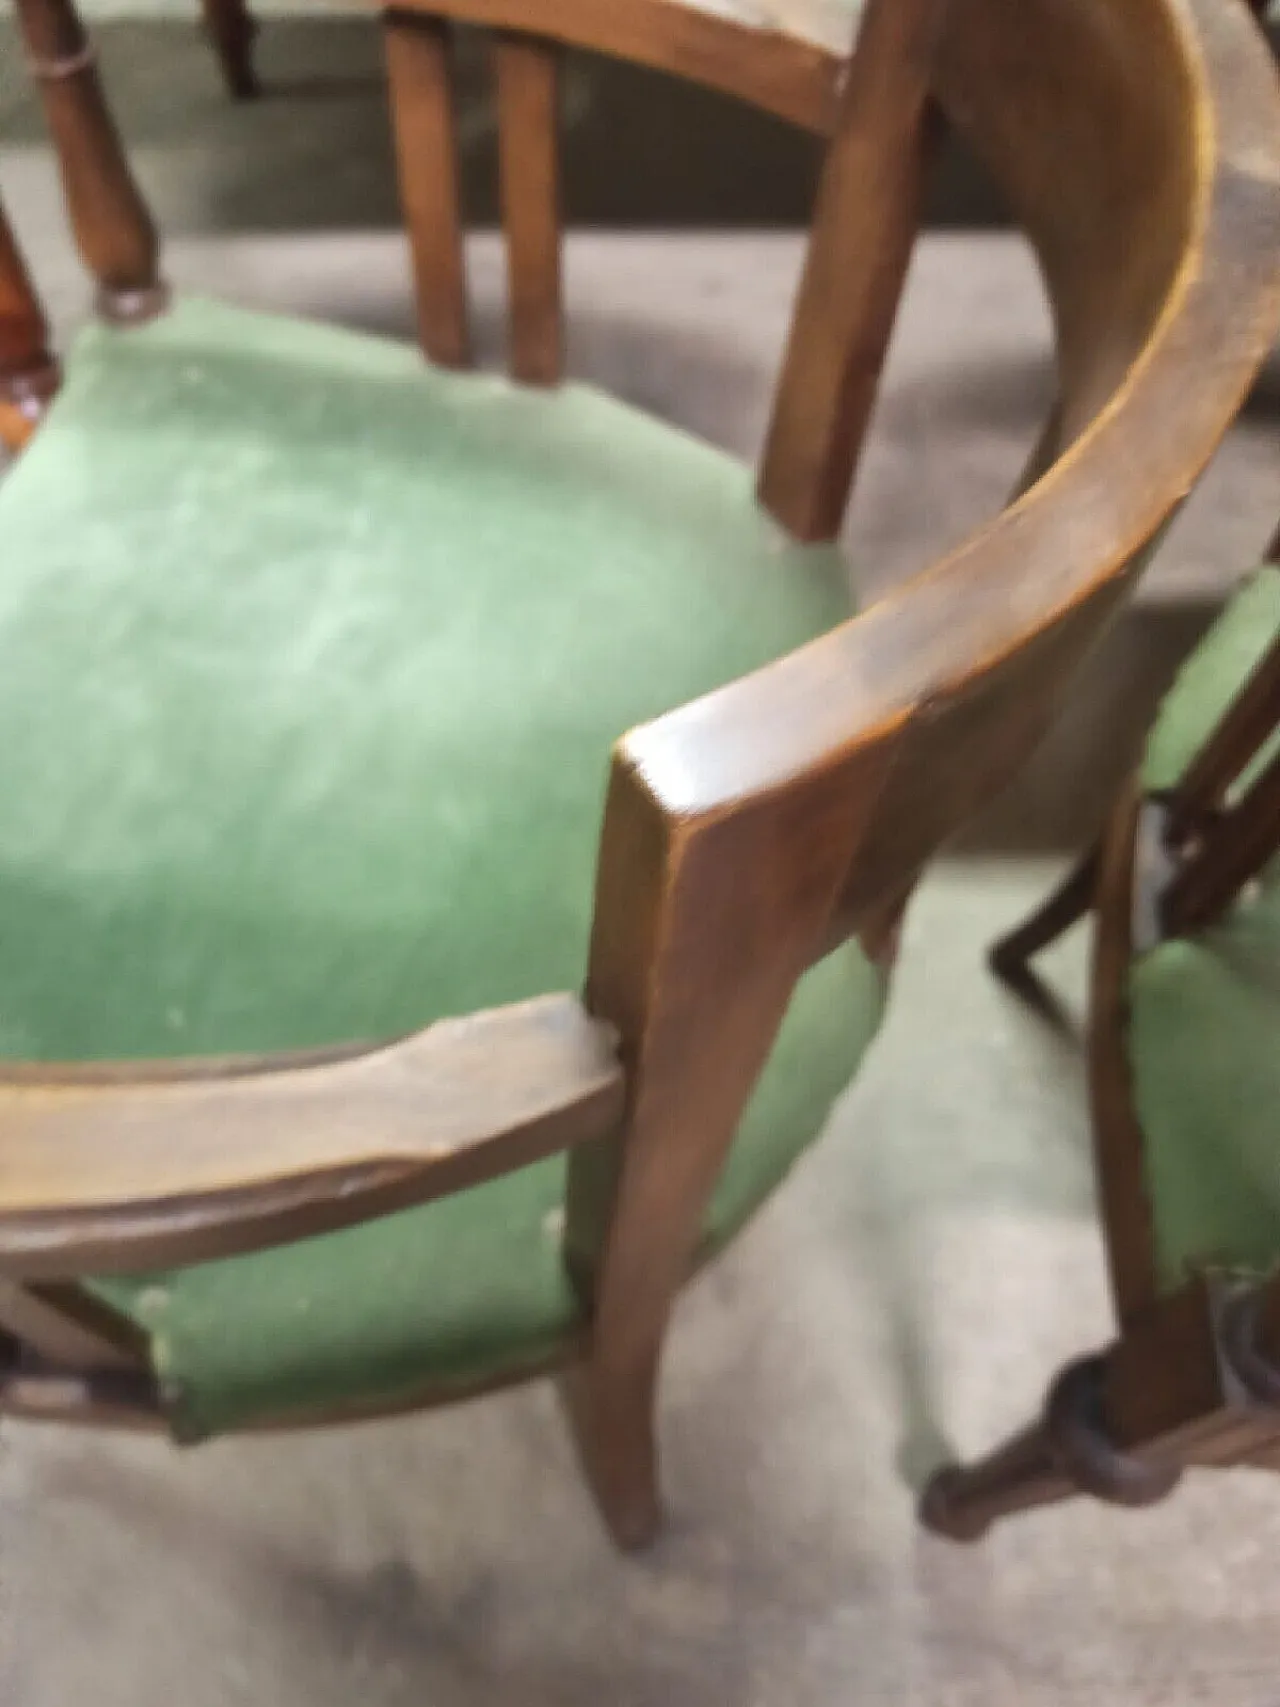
(908, 1292)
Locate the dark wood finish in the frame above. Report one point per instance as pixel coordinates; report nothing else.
(113, 229)
(795, 79)
(134, 1174)
(706, 915)
(69, 1328)
(529, 160)
(420, 74)
(28, 372)
(231, 29)
(1138, 142)
(863, 230)
(1054, 917)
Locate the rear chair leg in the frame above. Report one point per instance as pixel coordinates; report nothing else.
(1069, 902)
(1066, 1453)
(231, 29)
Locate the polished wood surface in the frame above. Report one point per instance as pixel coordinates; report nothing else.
(420, 76)
(133, 1173)
(1193, 1377)
(1118, 1143)
(863, 232)
(704, 923)
(527, 72)
(794, 79)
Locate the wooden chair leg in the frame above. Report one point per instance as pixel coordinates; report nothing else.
(529, 150)
(231, 28)
(1069, 902)
(28, 371)
(1067, 1452)
(113, 228)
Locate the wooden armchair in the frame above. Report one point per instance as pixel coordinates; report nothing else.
(330, 676)
(1185, 1082)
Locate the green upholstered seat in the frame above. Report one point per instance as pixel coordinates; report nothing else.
(1204, 1034)
(311, 659)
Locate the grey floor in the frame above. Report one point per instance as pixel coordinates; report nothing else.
(908, 1293)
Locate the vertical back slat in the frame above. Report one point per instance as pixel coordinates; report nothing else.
(420, 76)
(528, 141)
(113, 229)
(864, 227)
(28, 372)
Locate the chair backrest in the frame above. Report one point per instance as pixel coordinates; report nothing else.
(1097, 161)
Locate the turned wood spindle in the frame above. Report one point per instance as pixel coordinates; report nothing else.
(113, 228)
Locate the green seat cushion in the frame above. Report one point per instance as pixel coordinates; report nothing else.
(1204, 1025)
(311, 659)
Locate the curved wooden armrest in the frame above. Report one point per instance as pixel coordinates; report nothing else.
(139, 1166)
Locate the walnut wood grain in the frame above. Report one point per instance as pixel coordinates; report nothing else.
(529, 164)
(1063, 907)
(1118, 1141)
(113, 228)
(120, 1175)
(419, 55)
(863, 230)
(1232, 744)
(704, 923)
(941, 688)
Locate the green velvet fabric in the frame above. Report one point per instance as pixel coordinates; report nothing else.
(1204, 1032)
(311, 658)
